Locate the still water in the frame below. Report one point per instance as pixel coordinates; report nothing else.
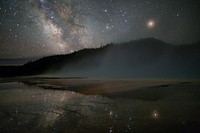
(156, 109)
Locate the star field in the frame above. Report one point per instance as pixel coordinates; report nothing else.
(35, 28)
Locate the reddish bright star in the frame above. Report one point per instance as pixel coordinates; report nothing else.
(151, 24)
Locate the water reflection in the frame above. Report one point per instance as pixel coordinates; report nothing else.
(20, 102)
(155, 114)
(24, 108)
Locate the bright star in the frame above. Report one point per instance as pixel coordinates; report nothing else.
(150, 23)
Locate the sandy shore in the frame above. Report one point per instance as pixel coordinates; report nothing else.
(98, 86)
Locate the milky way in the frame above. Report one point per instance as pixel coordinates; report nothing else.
(37, 28)
(62, 24)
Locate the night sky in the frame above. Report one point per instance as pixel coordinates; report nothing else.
(36, 28)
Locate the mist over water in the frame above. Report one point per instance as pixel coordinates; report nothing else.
(148, 58)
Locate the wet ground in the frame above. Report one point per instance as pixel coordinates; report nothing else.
(88, 105)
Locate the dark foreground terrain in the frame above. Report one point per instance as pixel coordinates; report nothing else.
(74, 105)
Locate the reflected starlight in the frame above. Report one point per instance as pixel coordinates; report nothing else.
(155, 114)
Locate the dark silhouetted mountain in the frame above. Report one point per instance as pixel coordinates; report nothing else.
(145, 58)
